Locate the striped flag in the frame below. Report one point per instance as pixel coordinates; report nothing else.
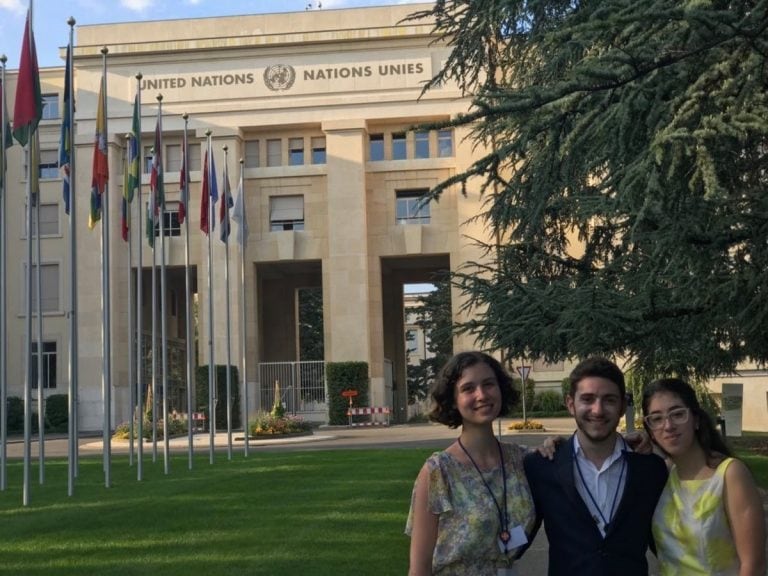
(132, 178)
(183, 183)
(238, 213)
(65, 143)
(100, 174)
(210, 193)
(28, 108)
(225, 205)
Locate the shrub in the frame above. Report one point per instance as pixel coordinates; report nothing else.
(345, 376)
(266, 424)
(528, 425)
(201, 390)
(530, 393)
(177, 426)
(15, 414)
(548, 401)
(57, 412)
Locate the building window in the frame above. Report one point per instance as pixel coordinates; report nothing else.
(50, 106)
(444, 143)
(193, 161)
(148, 156)
(49, 365)
(251, 159)
(50, 293)
(411, 208)
(171, 224)
(274, 153)
(49, 164)
(173, 158)
(49, 220)
(421, 144)
(318, 150)
(286, 213)
(376, 147)
(398, 146)
(296, 151)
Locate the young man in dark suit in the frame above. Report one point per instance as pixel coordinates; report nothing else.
(596, 497)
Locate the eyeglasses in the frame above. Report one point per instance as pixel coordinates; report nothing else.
(675, 417)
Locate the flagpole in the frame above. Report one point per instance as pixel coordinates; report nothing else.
(163, 332)
(211, 362)
(153, 393)
(139, 293)
(187, 290)
(28, 311)
(131, 311)
(106, 327)
(225, 237)
(72, 428)
(3, 303)
(243, 237)
(39, 304)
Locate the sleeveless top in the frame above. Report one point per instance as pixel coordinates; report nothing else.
(468, 525)
(691, 528)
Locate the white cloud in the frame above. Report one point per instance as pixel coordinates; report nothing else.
(136, 5)
(13, 6)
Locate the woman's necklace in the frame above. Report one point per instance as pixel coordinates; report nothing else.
(504, 535)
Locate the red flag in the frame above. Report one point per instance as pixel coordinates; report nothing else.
(28, 108)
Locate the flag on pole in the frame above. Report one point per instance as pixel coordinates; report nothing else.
(6, 127)
(28, 108)
(132, 178)
(210, 193)
(238, 213)
(183, 183)
(100, 162)
(65, 143)
(156, 177)
(225, 205)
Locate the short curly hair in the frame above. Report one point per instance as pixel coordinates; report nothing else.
(443, 390)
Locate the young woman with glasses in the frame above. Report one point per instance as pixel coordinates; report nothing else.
(709, 519)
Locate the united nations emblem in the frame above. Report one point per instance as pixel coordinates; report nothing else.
(279, 77)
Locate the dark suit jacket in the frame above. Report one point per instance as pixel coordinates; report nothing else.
(576, 546)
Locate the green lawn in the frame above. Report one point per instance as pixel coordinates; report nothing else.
(315, 512)
(334, 513)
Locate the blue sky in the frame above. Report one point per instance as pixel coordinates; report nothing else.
(52, 32)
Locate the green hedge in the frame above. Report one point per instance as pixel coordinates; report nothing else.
(57, 412)
(345, 376)
(201, 388)
(15, 408)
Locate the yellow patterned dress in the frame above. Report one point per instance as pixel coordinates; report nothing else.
(468, 524)
(691, 528)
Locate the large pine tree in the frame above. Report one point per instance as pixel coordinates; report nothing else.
(626, 177)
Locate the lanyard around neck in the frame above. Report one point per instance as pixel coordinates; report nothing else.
(605, 520)
(503, 514)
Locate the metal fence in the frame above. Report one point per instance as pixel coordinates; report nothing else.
(302, 388)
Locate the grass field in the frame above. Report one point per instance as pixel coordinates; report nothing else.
(316, 513)
(313, 513)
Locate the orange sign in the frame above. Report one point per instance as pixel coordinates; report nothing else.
(349, 393)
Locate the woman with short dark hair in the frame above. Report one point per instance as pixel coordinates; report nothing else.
(471, 508)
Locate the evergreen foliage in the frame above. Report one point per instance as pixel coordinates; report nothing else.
(624, 173)
(434, 317)
(345, 376)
